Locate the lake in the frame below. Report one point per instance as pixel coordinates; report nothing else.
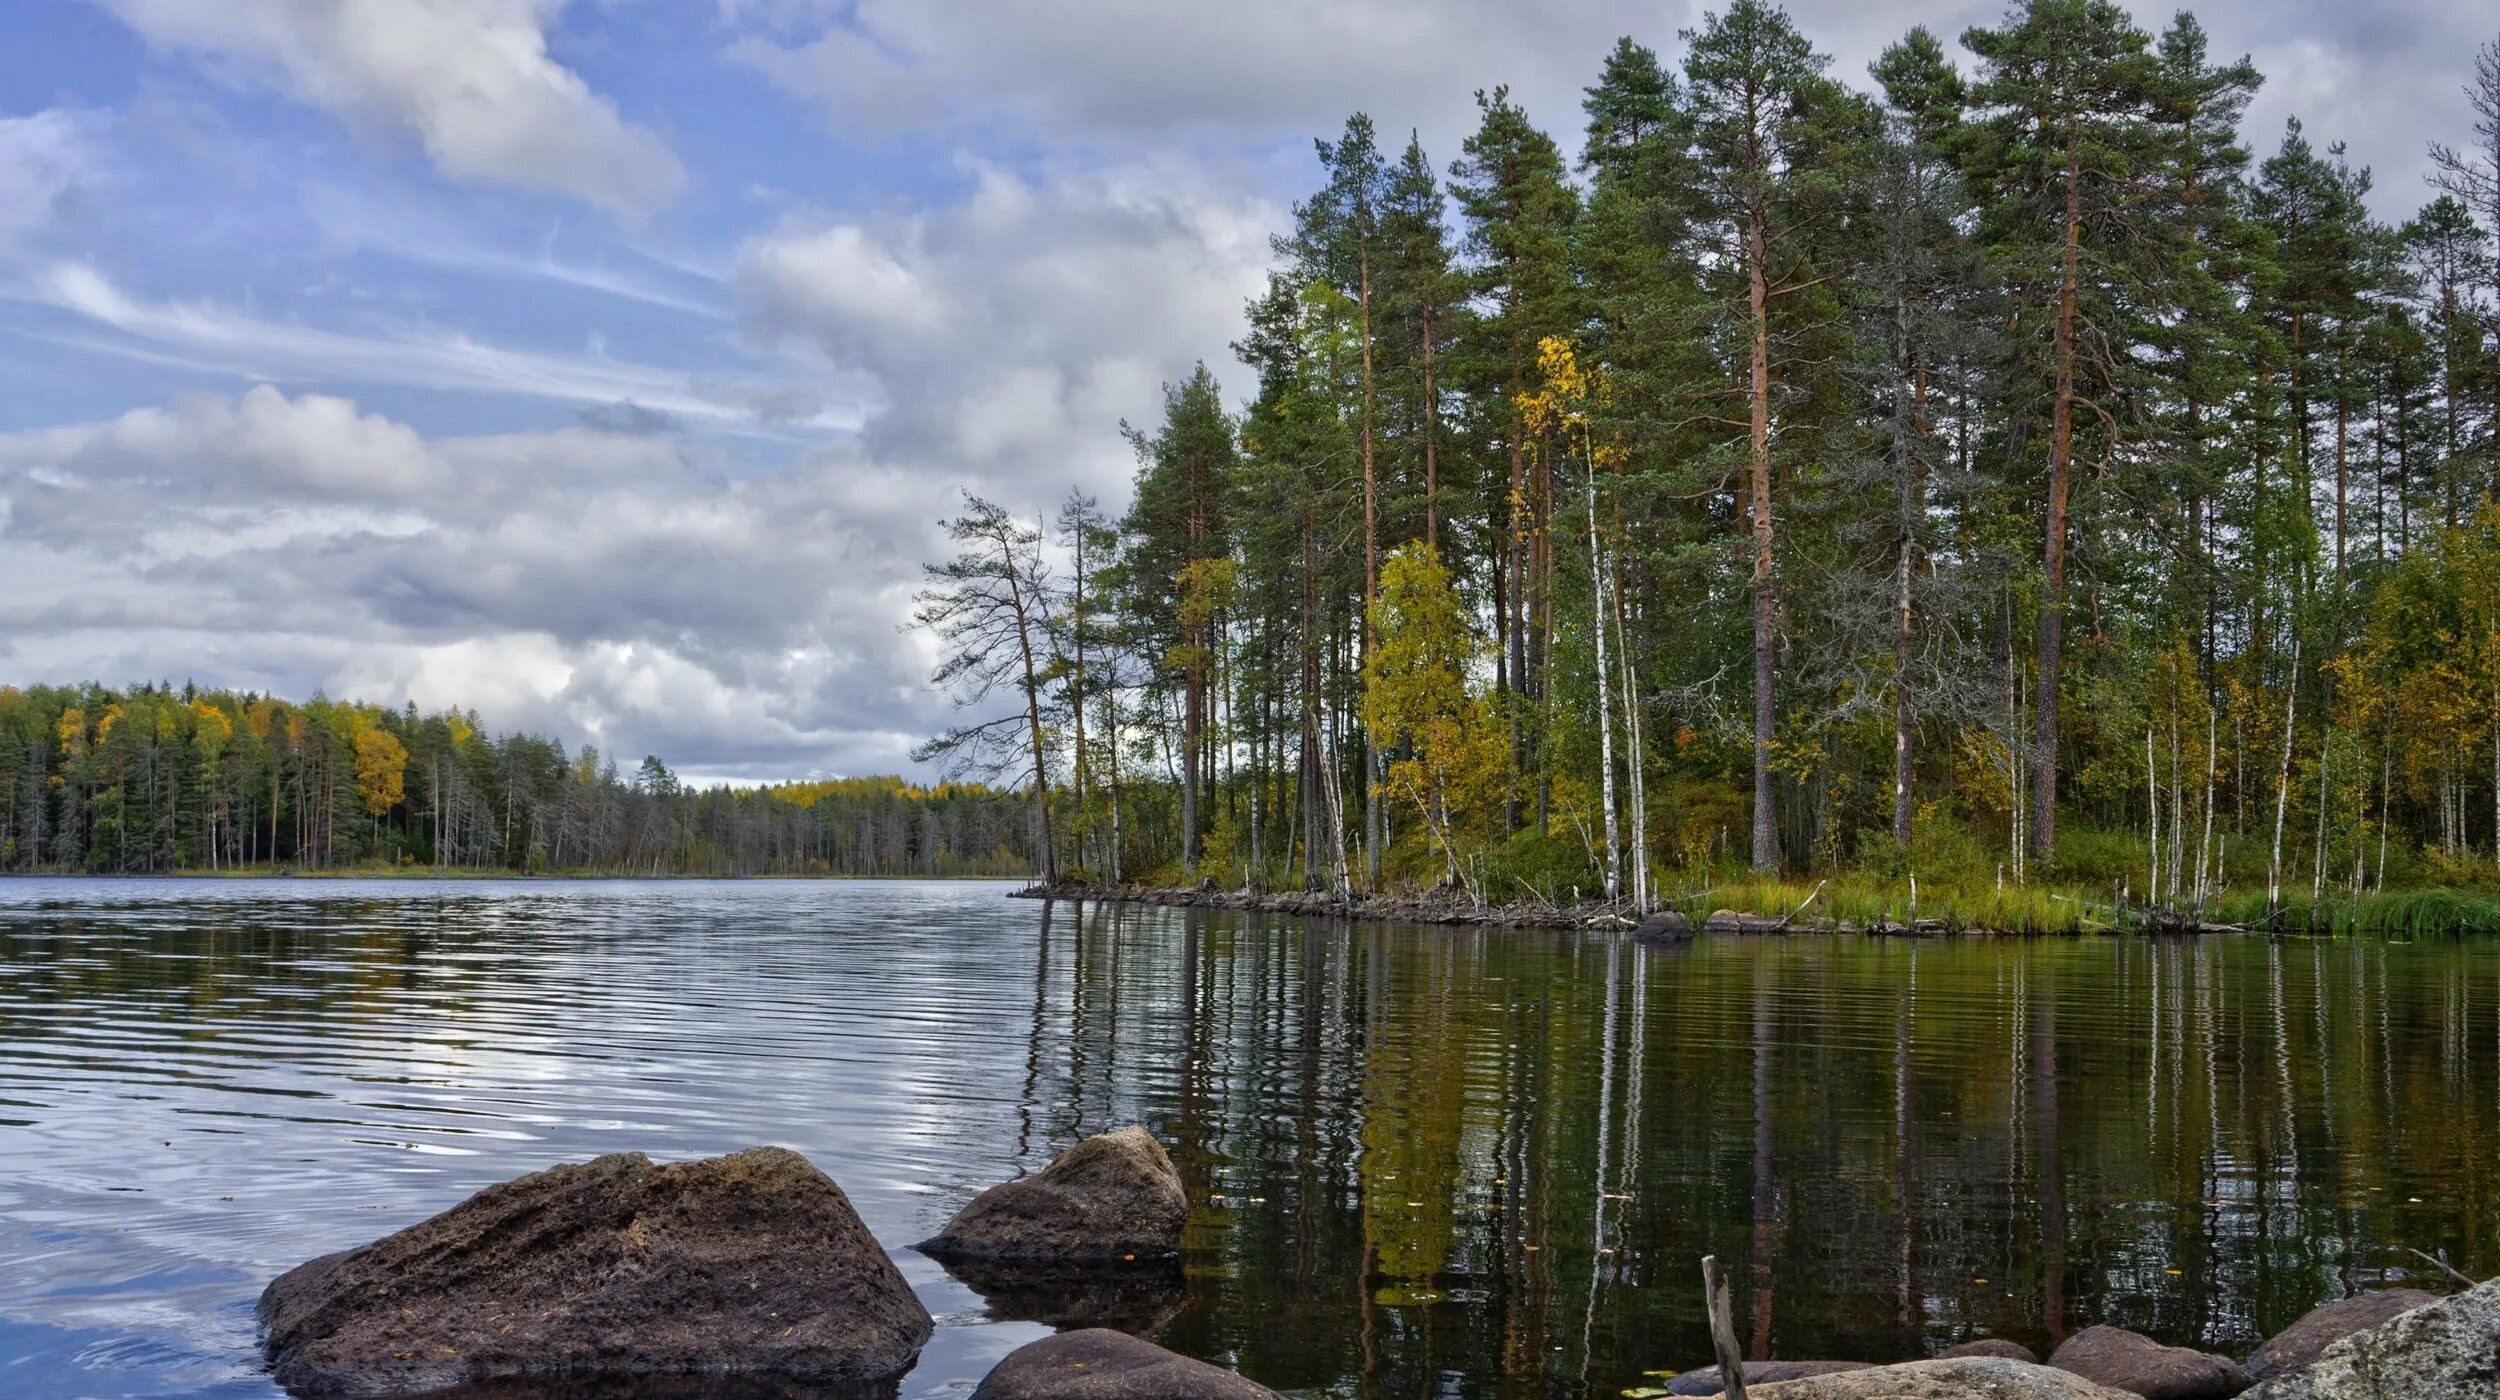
(1421, 1160)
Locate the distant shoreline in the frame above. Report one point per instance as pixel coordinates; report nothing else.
(459, 876)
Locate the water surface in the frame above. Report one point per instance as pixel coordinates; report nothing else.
(1425, 1161)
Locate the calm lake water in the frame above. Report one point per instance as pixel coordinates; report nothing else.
(1425, 1161)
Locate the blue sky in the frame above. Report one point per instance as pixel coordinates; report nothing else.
(606, 365)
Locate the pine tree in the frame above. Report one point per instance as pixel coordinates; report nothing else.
(2064, 131)
(1757, 93)
(1518, 210)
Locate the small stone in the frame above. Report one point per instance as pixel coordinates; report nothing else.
(1706, 1380)
(2135, 1363)
(1944, 1378)
(1665, 927)
(1992, 1346)
(1100, 1364)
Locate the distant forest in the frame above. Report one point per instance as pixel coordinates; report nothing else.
(155, 780)
(2005, 469)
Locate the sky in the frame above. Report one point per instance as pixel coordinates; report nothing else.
(607, 366)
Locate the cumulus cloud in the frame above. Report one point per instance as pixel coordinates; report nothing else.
(470, 80)
(600, 585)
(1139, 75)
(1135, 75)
(1010, 332)
(47, 160)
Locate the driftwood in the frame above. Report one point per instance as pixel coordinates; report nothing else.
(1722, 1329)
(2441, 1259)
(1801, 908)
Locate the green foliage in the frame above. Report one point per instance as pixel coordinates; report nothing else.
(1987, 478)
(155, 780)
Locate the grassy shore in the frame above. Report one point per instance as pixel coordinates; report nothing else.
(2041, 909)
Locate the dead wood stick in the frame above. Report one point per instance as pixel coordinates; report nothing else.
(2441, 1259)
(1809, 899)
(1722, 1329)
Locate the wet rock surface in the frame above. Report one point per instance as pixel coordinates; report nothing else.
(2135, 1363)
(1669, 927)
(1100, 1364)
(1945, 1378)
(1992, 1346)
(2301, 1343)
(2447, 1350)
(1114, 1198)
(747, 1266)
(1705, 1381)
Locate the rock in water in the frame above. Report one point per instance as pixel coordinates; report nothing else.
(1665, 927)
(1706, 1380)
(752, 1264)
(1099, 1364)
(1945, 1378)
(2135, 1363)
(2448, 1350)
(1992, 1346)
(1113, 1198)
(2323, 1326)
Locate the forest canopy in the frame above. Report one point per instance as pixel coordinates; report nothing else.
(155, 780)
(2001, 468)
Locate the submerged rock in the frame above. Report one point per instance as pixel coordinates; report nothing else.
(1945, 1378)
(752, 1265)
(1992, 1346)
(2135, 1363)
(1137, 1299)
(1113, 1198)
(1706, 1381)
(2447, 1350)
(2321, 1327)
(1100, 1364)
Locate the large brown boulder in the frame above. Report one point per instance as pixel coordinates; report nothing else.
(1100, 1364)
(2135, 1363)
(2323, 1326)
(750, 1265)
(2448, 1350)
(1114, 1198)
(1992, 1346)
(1944, 1378)
(1706, 1380)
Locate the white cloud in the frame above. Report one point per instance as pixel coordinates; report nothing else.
(1135, 75)
(592, 584)
(250, 449)
(470, 80)
(1009, 333)
(401, 229)
(206, 336)
(46, 161)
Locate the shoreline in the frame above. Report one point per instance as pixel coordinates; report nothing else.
(1665, 923)
(422, 875)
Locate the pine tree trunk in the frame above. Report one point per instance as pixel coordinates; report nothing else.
(2053, 553)
(1766, 854)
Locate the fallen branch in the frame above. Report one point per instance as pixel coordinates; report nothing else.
(2441, 1259)
(1793, 913)
(1722, 1329)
